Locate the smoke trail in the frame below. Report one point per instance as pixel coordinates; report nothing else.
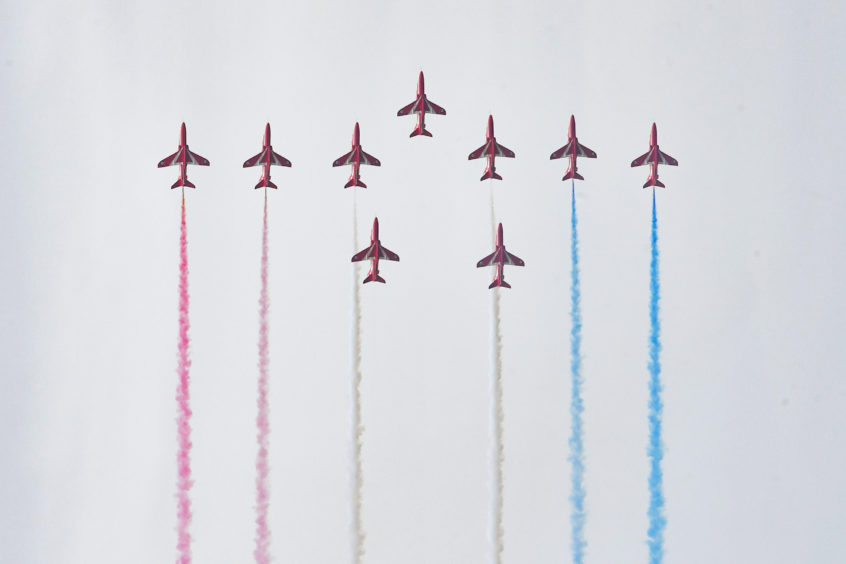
(497, 456)
(577, 492)
(262, 551)
(357, 427)
(183, 458)
(657, 521)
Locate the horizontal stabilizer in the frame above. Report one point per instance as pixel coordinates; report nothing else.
(572, 174)
(179, 182)
(373, 278)
(653, 182)
(418, 131)
(353, 181)
(265, 183)
(490, 173)
(499, 282)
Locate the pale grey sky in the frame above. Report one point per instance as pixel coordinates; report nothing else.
(749, 98)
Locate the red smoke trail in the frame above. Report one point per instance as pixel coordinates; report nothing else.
(262, 552)
(183, 458)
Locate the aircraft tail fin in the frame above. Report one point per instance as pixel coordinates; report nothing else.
(180, 182)
(653, 182)
(373, 277)
(353, 181)
(265, 183)
(574, 175)
(420, 131)
(499, 282)
(490, 173)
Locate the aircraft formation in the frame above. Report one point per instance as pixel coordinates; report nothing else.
(421, 106)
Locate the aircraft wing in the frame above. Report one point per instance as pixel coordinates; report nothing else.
(503, 151)
(562, 152)
(479, 152)
(405, 110)
(362, 255)
(641, 160)
(583, 151)
(278, 160)
(171, 160)
(369, 159)
(508, 258)
(487, 261)
(433, 108)
(387, 254)
(253, 161)
(344, 160)
(195, 159)
(664, 158)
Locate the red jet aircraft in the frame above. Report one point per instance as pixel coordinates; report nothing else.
(572, 150)
(373, 253)
(356, 158)
(421, 106)
(653, 158)
(266, 158)
(500, 257)
(491, 149)
(183, 157)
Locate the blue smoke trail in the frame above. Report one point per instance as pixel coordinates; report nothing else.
(577, 466)
(657, 521)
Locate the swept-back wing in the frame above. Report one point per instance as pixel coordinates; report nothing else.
(405, 110)
(433, 108)
(487, 261)
(369, 159)
(256, 160)
(508, 258)
(481, 151)
(278, 160)
(171, 160)
(583, 151)
(664, 158)
(344, 160)
(562, 152)
(387, 254)
(195, 159)
(641, 160)
(363, 254)
(503, 151)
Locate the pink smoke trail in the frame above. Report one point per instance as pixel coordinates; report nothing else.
(262, 551)
(183, 459)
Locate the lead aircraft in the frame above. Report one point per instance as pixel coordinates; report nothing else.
(183, 157)
(572, 150)
(421, 106)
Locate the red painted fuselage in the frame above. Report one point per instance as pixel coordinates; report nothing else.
(265, 159)
(355, 158)
(491, 150)
(373, 253)
(183, 157)
(421, 106)
(572, 150)
(499, 258)
(653, 158)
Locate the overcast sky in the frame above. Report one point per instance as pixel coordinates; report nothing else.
(750, 98)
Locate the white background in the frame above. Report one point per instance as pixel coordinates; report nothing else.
(748, 96)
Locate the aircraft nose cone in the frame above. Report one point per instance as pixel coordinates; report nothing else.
(267, 134)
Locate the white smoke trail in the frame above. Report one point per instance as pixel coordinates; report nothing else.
(497, 455)
(357, 427)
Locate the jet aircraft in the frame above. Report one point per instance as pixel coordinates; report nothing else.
(500, 257)
(373, 253)
(572, 150)
(183, 157)
(356, 157)
(653, 158)
(266, 158)
(421, 106)
(491, 150)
